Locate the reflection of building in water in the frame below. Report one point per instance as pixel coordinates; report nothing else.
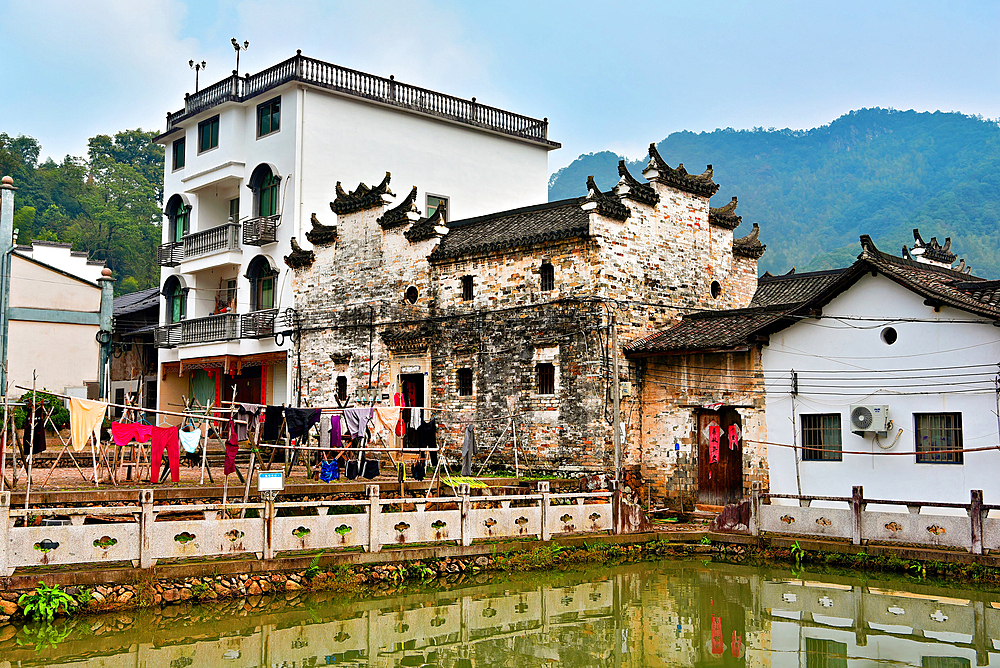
(640, 616)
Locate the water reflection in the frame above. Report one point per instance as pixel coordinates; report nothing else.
(677, 613)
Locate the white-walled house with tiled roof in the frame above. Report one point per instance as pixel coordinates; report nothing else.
(252, 161)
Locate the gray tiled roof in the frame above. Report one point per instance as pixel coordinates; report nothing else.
(716, 330)
(140, 300)
(563, 219)
(792, 288)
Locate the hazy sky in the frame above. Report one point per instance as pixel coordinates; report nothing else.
(607, 75)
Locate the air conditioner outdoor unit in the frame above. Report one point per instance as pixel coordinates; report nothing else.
(867, 417)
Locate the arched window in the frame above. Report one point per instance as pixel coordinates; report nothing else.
(261, 275)
(264, 184)
(179, 214)
(176, 295)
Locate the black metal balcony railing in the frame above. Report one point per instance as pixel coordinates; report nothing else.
(170, 254)
(368, 86)
(258, 324)
(216, 240)
(167, 336)
(222, 327)
(260, 231)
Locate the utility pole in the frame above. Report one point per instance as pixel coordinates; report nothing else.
(616, 399)
(6, 246)
(104, 334)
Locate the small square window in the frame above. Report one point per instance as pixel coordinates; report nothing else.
(938, 435)
(269, 117)
(546, 378)
(435, 201)
(208, 134)
(464, 382)
(467, 293)
(178, 153)
(821, 437)
(548, 275)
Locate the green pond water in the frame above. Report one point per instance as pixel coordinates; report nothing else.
(669, 613)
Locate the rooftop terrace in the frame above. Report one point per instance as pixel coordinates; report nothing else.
(368, 87)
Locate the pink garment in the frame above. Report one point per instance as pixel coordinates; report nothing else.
(714, 437)
(124, 433)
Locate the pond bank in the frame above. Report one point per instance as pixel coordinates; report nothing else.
(122, 588)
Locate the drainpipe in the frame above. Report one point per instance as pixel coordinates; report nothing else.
(6, 246)
(104, 335)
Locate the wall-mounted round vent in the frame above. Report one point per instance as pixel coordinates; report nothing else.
(889, 335)
(861, 418)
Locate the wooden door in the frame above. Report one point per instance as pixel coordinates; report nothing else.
(720, 482)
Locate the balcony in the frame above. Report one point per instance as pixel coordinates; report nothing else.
(216, 240)
(260, 231)
(258, 324)
(222, 327)
(170, 254)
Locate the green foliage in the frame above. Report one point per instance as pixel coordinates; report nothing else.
(43, 636)
(798, 554)
(60, 416)
(200, 590)
(705, 540)
(107, 204)
(46, 602)
(314, 569)
(880, 172)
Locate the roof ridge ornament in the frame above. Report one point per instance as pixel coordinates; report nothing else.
(631, 188)
(320, 234)
(428, 228)
(931, 252)
(604, 203)
(404, 212)
(725, 216)
(299, 258)
(750, 245)
(362, 197)
(659, 171)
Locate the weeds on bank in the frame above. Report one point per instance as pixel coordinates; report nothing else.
(46, 602)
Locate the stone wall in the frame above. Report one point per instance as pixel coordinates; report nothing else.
(648, 270)
(672, 390)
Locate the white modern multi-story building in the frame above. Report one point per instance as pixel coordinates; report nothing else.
(251, 161)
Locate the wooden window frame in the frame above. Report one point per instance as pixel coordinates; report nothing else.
(179, 148)
(464, 382)
(545, 378)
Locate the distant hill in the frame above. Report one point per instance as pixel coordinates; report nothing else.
(874, 171)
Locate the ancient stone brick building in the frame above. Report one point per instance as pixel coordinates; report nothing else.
(512, 310)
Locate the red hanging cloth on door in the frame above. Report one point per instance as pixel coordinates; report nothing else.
(734, 437)
(714, 438)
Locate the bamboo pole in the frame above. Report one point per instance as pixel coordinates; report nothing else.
(31, 452)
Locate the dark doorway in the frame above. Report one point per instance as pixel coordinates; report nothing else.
(412, 385)
(720, 482)
(247, 386)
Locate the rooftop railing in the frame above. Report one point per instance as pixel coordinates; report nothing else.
(367, 86)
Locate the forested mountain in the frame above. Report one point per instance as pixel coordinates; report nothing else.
(107, 204)
(873, 171)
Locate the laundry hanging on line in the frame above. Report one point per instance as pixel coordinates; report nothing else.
(85, 418)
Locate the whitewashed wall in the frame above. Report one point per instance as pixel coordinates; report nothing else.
(323, 139)
(865, 366)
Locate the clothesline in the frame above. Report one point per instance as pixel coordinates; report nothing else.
(199, 417)
(345, 449)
